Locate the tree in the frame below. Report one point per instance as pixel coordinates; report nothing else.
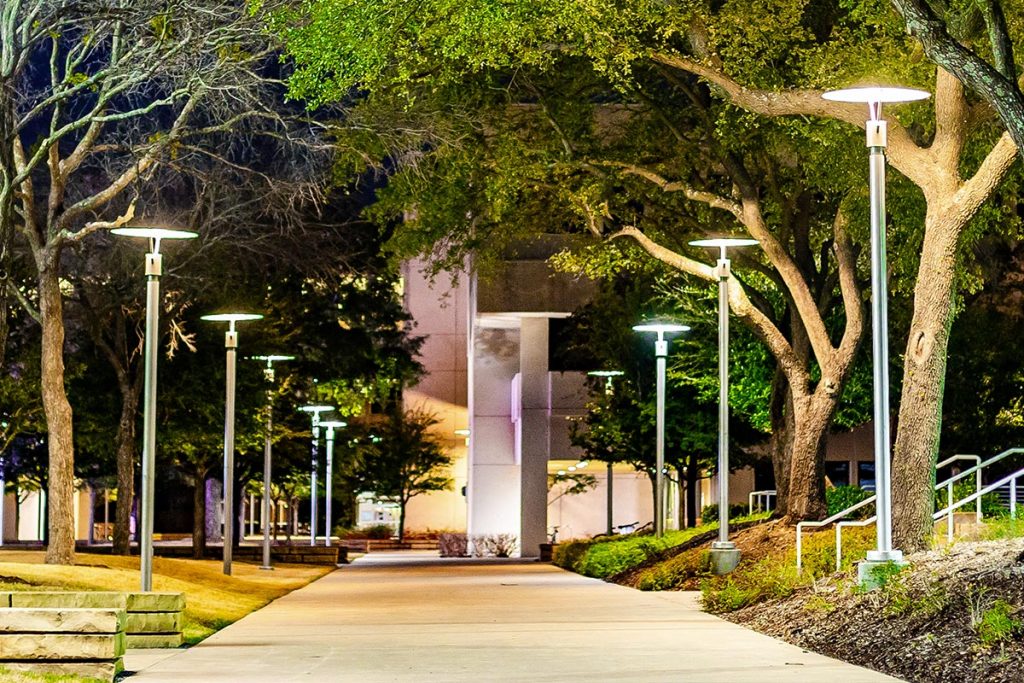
(97, 96)
(772, 62)
(405, 458)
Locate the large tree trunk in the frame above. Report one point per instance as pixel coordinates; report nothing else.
(781, 443)
(812, 415)
(199, 516)
(61, 470)
(125, 448)
(401, 520)
(692, 492)
(924, 374)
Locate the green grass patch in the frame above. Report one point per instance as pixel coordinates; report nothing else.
(212, 600)
(997, 624)
(607, 556)
(775, 576)
(1001, 528)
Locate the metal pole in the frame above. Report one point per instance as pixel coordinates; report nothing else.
(153, 268)
(3, 500)
(876, 142)
(723, 403)
(312, 478)
(327, 484)
(611, 480)
(266, 468)
(231, 344)
(661, 351)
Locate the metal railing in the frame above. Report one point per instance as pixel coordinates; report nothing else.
(976, 470)
(1010, 479)
(764, 500)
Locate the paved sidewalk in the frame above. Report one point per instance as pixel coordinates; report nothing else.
(410, 619)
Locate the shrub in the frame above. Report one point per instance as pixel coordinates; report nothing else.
(709, 513)
(997, 624)
(495, 545)
(453, 545)
(991, 506)
(376, 532)
(839, 498)
(566, 555)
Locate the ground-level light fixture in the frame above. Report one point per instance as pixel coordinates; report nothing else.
(231, 351)
(154, 268)
(661, 353)
(329, 475)
(874, 97)
(268, 373)
(314, 411)
(723, 548)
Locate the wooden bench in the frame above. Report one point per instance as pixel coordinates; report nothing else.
(152, 620)
(86, 642)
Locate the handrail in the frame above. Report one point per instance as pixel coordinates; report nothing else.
(1008, 479)
(825, 522)
(978, 466)
(994, 459)
(766, 494)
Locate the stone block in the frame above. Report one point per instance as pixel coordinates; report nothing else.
(154, 640)
(105, 671)
(153, 622)
(30, 620)
(872, 574)
(61, 646)
(69, 599)
(156, 602)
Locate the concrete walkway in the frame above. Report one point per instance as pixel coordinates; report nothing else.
(411, 619)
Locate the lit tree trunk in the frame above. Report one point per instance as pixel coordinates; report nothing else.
(811, 417)
(924, 372)
(125, 448)
(61, 490)
(198, 516)
(781, 444)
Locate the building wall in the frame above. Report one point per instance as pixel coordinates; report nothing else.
(586, 514)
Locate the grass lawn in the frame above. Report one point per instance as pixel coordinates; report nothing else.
(212, 600)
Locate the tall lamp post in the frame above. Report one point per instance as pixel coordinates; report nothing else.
(329, 475)
(231, 347)
(724, 554)
(314, 412)
(268, 373)
(661, 353)
(609, 388)
(154, 268)
(874, 97)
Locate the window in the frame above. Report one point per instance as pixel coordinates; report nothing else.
(838, 473)
(866, 475)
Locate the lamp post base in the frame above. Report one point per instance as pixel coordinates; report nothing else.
(724, 557)
(878, 568)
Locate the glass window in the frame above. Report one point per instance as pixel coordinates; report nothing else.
(838, 473)
(866, 475)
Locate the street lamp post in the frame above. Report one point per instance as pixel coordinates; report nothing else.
(154, 267)
(231, 348)
(329, 475)
(268, 373)
(609, 388)
(724, 555)
(661, 353)
(874, 97)
(314, 412)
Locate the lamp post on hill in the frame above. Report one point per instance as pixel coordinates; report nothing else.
(874, 97)
(314, 412)
(154, 268)
(724, 554)
(661, 353)
(609, 388)
(268, 373)
(231, 351)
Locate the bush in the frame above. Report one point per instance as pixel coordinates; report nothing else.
(997, 624)
(566, 555)
(839, 498)
(709, 513)
(991, 506)
(495, 545)
(453, 545)
(376, 532)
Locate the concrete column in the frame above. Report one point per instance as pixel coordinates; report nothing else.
(535, 434)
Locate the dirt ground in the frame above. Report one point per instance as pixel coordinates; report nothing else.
(955, 615)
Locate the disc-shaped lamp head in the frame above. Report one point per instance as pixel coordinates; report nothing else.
(724, 242)
(660, 327)
(605, 373)
(316, 410)
(231, 317)
(334, 424)
(876, 94)
(272, 358)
